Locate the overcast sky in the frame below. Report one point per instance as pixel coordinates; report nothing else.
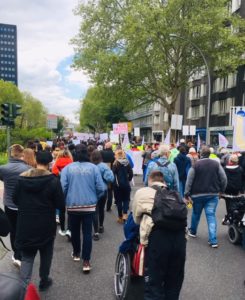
(44, 29)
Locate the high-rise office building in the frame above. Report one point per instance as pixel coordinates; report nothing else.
(8, 53)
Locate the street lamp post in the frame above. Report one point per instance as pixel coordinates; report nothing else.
(209, 82)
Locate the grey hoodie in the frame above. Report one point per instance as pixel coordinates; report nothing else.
(9, 174)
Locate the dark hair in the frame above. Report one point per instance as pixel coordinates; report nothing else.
(81, 153)
(182, 149)
(90, 148)
(43, 158)
(205, 152)
(156, 176)
(96, 157)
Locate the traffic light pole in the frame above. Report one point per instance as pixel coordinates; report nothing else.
(8, 140)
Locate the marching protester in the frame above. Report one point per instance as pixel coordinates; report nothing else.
(9, 174)
(108, 177)
(166, 248)
(168, 169)
(37, 195)
(204, 183)
(29, 157)
(108, 158)
(83, 186)
(123, 175)
(63, 159)
(193, 156)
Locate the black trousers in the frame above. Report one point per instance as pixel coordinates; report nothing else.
(12, 216)
(109, 197)
(99, 216)
(165, 263)
(28, 256)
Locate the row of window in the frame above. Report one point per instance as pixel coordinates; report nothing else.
(4, 62)
(4, 75)
(7, 49)
(7, 69)
(7, 29)
(196, 112)
(7, 36)
(7, 55)
(222, 107)
(6, 43)
(225, 83)
(198, 91)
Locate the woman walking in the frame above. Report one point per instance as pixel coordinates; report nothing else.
(123, 175)
(108, 177)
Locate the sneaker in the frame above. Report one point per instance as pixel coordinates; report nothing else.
(68, 233)
(125, 217)
(62, 233)
(101, 229)
(86, 266)
(16, 262)
(75, 257)
(215, 245)
(57, 219)
(96, 236)
(225, 222)
(191, 234)
(45, 284)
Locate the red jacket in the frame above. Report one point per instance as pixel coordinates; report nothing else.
(59, 164)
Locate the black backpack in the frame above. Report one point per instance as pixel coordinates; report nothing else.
(169, 211)
(121, 177)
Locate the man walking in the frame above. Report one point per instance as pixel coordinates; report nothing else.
(9, 174)
(38, 194)
(204, 183)
(166, 248)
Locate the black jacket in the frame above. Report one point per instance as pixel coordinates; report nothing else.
(234, 180)
(183, 164)
(38, 194)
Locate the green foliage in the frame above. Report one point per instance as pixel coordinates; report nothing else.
(33, 113)
(22, 136)
(127, 47)
(9, 93)
(100, 109)
(3, 158)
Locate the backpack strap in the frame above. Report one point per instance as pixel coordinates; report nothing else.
(2, 242)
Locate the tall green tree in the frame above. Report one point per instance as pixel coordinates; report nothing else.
(33, 112)
(127, 45)
(100, 109)
(9, 93)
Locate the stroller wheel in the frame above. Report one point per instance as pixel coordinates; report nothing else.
(122, 275)
(234, 234)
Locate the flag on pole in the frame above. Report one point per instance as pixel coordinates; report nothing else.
(223, 142)
(198, 142)
(143, 141)
(167, 138)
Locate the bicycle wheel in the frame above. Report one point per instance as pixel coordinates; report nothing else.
(122, 275)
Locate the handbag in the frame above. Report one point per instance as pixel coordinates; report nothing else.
(138, 262)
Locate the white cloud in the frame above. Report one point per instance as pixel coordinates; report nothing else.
(44, 31)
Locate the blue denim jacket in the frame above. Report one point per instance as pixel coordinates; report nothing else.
(82, 185)
(152, 166)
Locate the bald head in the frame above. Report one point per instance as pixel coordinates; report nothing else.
(108, 145)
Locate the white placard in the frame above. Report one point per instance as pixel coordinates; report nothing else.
(114, 138)
(185, 130)
(193, 130)
(176, 122)
(103, 137)
(136, 131)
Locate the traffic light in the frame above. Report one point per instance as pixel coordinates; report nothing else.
(5, 111)
(15, 112)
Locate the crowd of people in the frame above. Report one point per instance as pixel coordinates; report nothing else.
(73, 185)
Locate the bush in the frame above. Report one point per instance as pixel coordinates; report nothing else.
(3, 158)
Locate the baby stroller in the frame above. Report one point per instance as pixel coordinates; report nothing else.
(235, 218)
(129, 266)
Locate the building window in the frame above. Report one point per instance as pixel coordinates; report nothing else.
(222, 107)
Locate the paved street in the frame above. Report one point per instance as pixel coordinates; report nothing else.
(211, 274)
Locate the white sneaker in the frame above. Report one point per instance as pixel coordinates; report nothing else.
(62, 233)
(16, 262)
(68, 233)
(75, 258)
(57, 219)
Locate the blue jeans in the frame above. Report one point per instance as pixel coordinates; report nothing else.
(209, 203)
(182, 188)
(86, 219)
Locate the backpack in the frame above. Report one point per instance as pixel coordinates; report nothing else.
(168, 178)
(121, 177)
(169, 211)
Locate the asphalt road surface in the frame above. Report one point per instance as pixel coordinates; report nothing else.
(210, 274)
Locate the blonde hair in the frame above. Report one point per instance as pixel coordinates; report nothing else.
(120, 154)
(16, 151)
(64, 153)
(29, 157)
